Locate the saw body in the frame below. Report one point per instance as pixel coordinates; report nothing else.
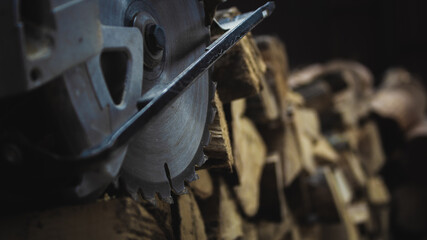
(120, 95)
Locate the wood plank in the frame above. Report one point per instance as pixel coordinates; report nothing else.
(370, 148)
(249, 153)
(264, 107)
(230, 221)
(307, 130)
(352, 232)
(191, 221)
(239, 72)
(324, 152)
(203, 188)
(292, 163)
(273, 52)
(115, 219)
(219, 150)
(272, 199)
(354, 171)
(377, 191)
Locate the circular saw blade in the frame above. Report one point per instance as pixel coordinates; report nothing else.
(164, 153)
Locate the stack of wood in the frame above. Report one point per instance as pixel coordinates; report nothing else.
(291, 157)
(399, 108)
(341, 195)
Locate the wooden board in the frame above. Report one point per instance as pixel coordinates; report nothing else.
(239, 72)
(230, 221)
(377, 191)
(292, 163)
(202, 188)
(273, 52)
(191, 221)
(351, 231)
(264, 107)
(272, 199)
(370, 148)
(219, 150)
(115, 219)
(324, 152)
(249, 154)
(307, 130)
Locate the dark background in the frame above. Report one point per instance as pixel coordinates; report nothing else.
(378, 33)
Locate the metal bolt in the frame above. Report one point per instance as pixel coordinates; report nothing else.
(155, 37)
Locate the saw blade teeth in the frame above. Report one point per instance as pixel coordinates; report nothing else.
(148, 195)
(132, 190)
(152, 201)
(178, 187)
(193, 177)
(202, 160)
(181, 189)
(168, 199)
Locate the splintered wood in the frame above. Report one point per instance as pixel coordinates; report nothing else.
(250, 153)
(219, 149)
(274, 55)
(239, 72)
(192, 225)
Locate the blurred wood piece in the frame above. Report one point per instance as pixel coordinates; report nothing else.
(377, 191)
(230, 221)
(117, 219)
(219, 150)
(250, 231)
(274, 55)
(263, 108)
(323, 151)
(292, 163)
(203, 187)
(272, 200)
(307, 131)
(191, 221)
(274, 230)
(370, 148)
(359, 212)
(352, 165)
(249, 153)
(351, 230)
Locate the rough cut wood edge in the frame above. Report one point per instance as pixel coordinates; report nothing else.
(250, 154)
(303, 119)
(273, 52)
(264, 107)
(272, 199)
(370, 148)
(219, 150)
(117, 219)
(377, 191)
(324, 152)
(350, 227)
(292, 163)
(230, 221)
(239, 72)
(191, 221)
(203, 188)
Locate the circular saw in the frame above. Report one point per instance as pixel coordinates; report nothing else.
(108, 90)
(164, 153)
